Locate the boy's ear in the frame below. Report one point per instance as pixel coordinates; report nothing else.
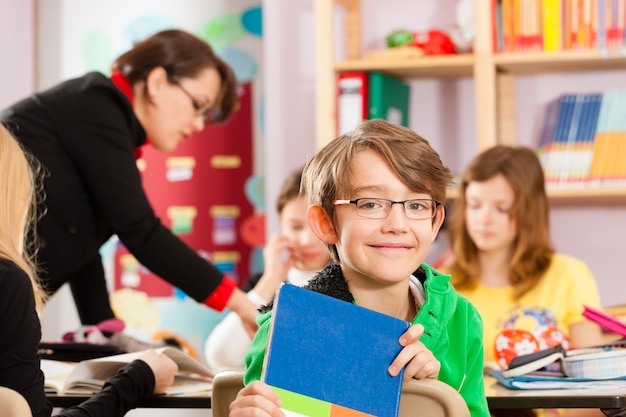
(321, 224)
(438, 221)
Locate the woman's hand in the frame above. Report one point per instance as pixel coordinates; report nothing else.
(416, 359)
(245, 309)
(256, 399)
(162, 367)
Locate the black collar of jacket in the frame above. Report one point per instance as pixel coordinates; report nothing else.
(330, 281)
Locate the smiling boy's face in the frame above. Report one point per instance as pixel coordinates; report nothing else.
(385, 250)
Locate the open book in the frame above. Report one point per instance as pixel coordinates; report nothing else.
(89, 376)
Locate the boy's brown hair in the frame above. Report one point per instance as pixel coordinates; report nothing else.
(290, 189)
(326, 176)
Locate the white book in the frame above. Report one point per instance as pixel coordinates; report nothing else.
(89, 376)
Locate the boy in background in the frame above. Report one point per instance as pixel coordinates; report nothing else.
(294, 255)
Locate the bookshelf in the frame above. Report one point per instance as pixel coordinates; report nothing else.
(494, 76)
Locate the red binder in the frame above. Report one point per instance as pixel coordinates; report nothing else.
(352, 100)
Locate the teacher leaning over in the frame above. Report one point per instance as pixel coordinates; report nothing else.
(86, 133)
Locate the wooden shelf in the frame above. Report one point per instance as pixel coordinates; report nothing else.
(422, 67)
(594, 196)
(586, 196)
(516, 63)
(562, 62)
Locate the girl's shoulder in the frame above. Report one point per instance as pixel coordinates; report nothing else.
(566, 265)
(15, 286)
(9, 270)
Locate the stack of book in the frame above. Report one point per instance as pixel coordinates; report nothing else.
(583, 141)
(589, 368)
(594, 367)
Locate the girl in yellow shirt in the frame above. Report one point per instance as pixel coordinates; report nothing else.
(529, 297)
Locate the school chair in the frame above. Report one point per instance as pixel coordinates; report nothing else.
(427, 397)
(226, 385)
(12, 404)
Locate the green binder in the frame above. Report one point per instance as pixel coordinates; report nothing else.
(388, 98)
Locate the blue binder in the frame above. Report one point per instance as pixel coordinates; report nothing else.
(333, 351)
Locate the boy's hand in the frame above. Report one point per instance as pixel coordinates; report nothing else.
(278, 258)
(256, 399)
(418, 361)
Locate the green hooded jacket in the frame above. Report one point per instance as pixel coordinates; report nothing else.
(452, 331)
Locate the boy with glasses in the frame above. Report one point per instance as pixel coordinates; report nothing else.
(374, 200)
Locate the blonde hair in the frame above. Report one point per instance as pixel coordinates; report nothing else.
(327, 175)
(18, 208)
(533, 248)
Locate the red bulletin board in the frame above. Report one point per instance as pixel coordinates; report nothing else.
(198, 191)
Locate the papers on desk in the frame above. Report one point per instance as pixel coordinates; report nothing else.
(583, 368)
(533, 381)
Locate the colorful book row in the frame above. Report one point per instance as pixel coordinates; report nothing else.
(583, 141)
(558, 25)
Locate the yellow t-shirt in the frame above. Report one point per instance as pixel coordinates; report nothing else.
(556, 302)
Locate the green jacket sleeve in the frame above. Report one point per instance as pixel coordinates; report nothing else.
(256, 352)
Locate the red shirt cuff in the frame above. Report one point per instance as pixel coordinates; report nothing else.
(218, 298)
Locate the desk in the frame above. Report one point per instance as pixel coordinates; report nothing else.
(611, 401)
(179, 401)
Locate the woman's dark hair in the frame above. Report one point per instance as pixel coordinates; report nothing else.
(182, 55)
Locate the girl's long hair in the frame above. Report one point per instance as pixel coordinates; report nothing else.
(533, 248)
(20, 188)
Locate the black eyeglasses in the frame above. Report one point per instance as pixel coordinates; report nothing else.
(379, 208)
(198, 106)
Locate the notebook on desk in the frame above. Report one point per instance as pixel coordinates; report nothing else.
(327, 357)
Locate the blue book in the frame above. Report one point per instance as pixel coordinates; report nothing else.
(555, 161)
(586, 136)
(333, 353)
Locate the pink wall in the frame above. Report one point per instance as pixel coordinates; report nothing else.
(17, 42)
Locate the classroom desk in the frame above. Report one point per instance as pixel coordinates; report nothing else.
(179, 401)
(611, 401)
